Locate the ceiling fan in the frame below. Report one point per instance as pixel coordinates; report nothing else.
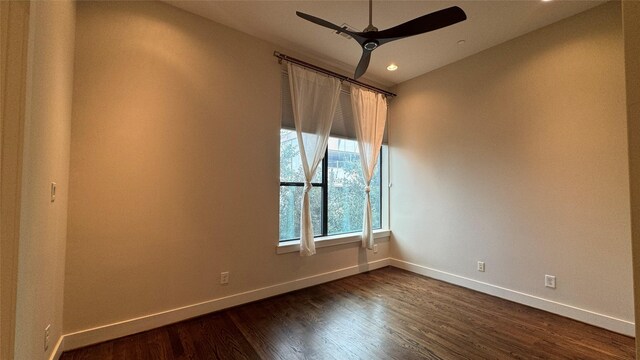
(371, 38)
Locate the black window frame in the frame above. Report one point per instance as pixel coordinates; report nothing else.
(324, 185)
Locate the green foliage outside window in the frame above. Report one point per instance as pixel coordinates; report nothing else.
(345, 189)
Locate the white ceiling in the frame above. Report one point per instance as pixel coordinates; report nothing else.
(488, 23)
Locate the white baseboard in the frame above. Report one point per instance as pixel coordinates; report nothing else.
(148, 322)
(57, 351)
(604, 321)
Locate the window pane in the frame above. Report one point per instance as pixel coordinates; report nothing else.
(346, 188)
(290, 163)
(290, 208)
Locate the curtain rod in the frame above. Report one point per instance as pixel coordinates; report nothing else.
(330, 73)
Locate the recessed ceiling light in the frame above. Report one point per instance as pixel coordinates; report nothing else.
(392, 67)
(546, 0)
(460, 42)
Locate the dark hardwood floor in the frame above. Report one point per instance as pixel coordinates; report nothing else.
(384, 314)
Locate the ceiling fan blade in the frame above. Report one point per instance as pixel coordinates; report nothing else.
(433, 21)
(363, 64)
(329, 25)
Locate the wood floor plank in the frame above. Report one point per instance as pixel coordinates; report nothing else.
(213, 337)
(383, 314)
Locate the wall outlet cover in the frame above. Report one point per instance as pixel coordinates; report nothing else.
(47, 334)
(481, 266)
(224, 278)
(550, 281)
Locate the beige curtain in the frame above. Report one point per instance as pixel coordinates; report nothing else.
(314, 98)
(370, 117)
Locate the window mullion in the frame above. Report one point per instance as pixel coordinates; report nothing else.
(325, 193)
(381, 192)
(295, 183)
(291, 183)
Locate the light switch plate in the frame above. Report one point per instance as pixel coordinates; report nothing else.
(53, 192)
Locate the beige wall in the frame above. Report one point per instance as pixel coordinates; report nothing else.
(46, 159)
(517, 156)
(14, 41)
(174, 166)
(631, 22)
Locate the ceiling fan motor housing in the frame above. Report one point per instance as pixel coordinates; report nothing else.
(370, 44)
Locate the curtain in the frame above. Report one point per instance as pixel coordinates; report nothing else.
(370, 117)
(314, 98)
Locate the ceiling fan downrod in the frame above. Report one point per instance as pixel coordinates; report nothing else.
(370, 45)
(370, 27)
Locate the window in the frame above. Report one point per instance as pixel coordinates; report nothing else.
(337, 196)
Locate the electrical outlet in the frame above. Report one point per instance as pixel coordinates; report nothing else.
(481, 266)
(224, 278)
(375, 248)
(47, 333)
(550, 281)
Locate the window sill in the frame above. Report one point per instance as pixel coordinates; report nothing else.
(333, 240)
